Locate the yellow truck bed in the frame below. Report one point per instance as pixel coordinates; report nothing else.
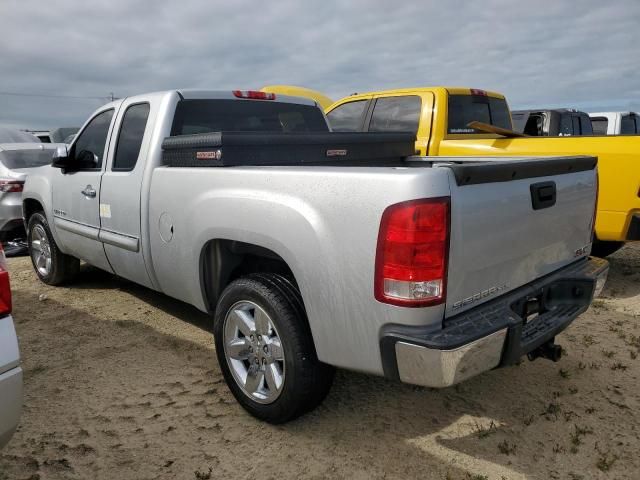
(618, 215)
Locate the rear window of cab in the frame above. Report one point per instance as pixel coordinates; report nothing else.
(630, 125)
(463, 109)
(205, 116)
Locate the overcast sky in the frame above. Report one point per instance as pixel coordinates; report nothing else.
(583, 54)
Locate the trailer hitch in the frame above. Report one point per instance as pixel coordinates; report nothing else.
(548, 350)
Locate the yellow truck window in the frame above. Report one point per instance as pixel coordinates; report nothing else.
(347, 117)
(396, 114)
(464, 109)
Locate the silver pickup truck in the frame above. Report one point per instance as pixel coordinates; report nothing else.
(314, 249)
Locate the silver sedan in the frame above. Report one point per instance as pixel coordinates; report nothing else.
(16, 160)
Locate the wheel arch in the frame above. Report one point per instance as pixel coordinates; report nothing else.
(29, 207)
(222, 261)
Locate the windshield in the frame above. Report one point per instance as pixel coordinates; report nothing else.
(481, 108)
(15, 159)
(204, 116)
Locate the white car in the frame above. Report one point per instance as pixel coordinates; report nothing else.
(16, 160)
(615, 123)
(10, 371)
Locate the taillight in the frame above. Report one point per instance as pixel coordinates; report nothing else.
(411, 258)
(5, 287)
(7, 186)
(477, 91)
(254, 95)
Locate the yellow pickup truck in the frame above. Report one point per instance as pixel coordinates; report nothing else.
(440, 116)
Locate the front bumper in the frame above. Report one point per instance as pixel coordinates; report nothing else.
(494, 334)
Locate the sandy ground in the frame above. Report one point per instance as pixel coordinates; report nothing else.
(122, 383)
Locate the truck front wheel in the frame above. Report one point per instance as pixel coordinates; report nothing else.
(265, 349)
(51, 265)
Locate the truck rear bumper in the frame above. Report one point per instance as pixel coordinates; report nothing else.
(494, 334)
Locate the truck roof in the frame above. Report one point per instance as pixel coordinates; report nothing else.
(539, 110)
(604, 114)
(200, 94)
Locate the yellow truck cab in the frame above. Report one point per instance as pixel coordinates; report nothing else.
(440, 117)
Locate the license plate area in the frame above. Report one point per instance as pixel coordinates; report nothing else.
(542, 311)
(531, 306)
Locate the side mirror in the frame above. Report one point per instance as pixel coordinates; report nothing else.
(60, 157)
(86, 159)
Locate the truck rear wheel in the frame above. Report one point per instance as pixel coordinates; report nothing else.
(51, 265)
(265, 349)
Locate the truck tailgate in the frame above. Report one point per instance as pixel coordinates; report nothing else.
(515, 221)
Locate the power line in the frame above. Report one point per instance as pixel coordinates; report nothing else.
(19, 94)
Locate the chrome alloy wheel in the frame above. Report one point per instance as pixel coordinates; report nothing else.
(254, 352)
(41, 250)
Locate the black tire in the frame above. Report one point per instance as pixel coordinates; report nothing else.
(63, 267)
(604, 248)
(307, 380)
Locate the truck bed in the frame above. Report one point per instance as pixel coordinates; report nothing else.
(618, 202)
(323, 221)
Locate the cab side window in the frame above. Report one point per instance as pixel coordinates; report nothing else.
(396, 114)
(535, 125)
(348, 117)
(585, 125)
(88, 149)
(566, 125)
(130, 137)
(576, 124)
(600, 125)
(628, 126)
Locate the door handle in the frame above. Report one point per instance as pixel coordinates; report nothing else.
(89, 192)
